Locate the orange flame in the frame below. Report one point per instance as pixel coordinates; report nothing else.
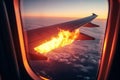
(63, 38)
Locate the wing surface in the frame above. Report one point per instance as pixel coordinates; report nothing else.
(39, 35)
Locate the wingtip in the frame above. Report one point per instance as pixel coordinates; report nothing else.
(94, 14)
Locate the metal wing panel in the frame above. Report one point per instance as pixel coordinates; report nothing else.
(37, 36)
(83, 36)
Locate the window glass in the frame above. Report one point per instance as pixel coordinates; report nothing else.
(60, 44)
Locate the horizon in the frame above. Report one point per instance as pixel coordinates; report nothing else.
(55, 17)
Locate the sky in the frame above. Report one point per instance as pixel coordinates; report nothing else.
(64, 8)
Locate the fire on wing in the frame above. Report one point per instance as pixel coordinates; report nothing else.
(63, 38)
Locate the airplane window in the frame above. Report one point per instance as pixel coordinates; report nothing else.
(64, 38)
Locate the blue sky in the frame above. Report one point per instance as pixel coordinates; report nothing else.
(64, 8)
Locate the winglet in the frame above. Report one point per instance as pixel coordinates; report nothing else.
(94, 14)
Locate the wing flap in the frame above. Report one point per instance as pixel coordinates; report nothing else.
(91, 25)
(37, 56)
(83, 36)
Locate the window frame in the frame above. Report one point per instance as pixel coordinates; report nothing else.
(109, 45)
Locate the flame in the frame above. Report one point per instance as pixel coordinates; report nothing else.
(63, 38)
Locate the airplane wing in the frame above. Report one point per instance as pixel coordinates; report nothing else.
(39, 35)
(46, 32)
(90, 25)
(83, 36)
